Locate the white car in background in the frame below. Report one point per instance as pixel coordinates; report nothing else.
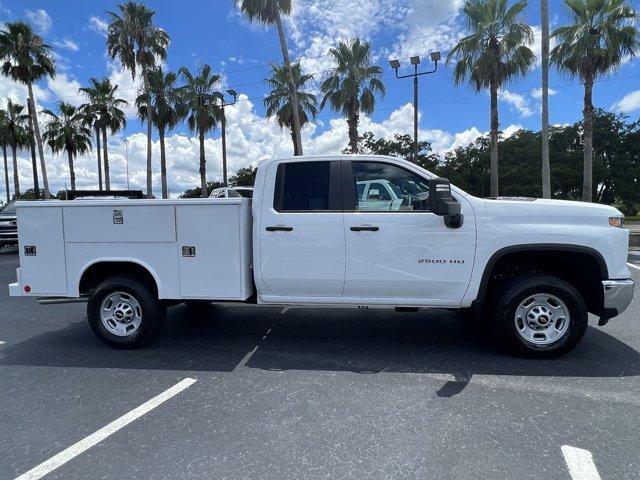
(232, 192)
(382, 194)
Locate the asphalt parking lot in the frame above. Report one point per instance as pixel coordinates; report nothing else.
(310, 394)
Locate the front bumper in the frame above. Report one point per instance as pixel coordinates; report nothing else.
(618, 294)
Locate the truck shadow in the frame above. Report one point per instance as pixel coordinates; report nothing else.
(365, 342)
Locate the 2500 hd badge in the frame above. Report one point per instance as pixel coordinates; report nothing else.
(440, 260)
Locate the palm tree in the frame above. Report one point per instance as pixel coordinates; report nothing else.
(546, 168)
(278, 102)
(269, 12)
(26, 59)
(16, 126)
(67, 130)
(495, 51)
(91, 118)
(137, 42)
(4, 142)
(600, 36)
(352, 85)
(31, 137)
(202, 113)
(166, 111)
(105, 110)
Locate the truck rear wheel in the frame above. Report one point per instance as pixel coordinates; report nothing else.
(539, 315)
(123, 312)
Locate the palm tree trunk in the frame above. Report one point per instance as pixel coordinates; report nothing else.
(203, 167)
(297, 139)
(34, 161)
(16, 180)
(72, 172)
(293, 139)
(6, 172)
(163, 164)
(587, 174)
(147, 92)
(352, 123)
(36, 131)
(97, 128)
(105, 150)
(494, 139)
(546, 169)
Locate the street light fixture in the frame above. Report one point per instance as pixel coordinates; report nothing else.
(415, 61)
(215, 97)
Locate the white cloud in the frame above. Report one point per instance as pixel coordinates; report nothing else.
(67, 44)
(629, 103)
(510, 130)
(98, 25)
(41, 19)
(128, 87)
(419, 27)
(536, 45)
(65, 87)
(537, 93)
(519, 102)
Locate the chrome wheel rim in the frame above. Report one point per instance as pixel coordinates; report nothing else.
(121, 314)
(542, 319)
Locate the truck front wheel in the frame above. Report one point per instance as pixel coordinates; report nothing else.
(539, 315)
(123, 312)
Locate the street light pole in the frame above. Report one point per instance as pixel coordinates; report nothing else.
(415, 61)
(126, 156)
(223, 125)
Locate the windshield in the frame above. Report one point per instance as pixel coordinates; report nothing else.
(9, 209)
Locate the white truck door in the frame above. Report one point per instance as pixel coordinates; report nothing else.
(302, 243)
(397, 253)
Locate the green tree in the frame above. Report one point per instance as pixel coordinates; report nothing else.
(166, 111)
(278, 102)
(495, 51)
(104, 111)
(196, 192)
(269, 12)
(67, 130)
(244, 177)
(4, 142)
(400, 146)
(600, 36)
(138, 43)
(202, 113)
(26, 59)
(16, 125)
(352, 85)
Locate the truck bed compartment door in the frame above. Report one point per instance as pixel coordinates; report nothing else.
(42, 258)
(209, 251)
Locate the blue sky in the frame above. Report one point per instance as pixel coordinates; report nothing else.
(213, 32)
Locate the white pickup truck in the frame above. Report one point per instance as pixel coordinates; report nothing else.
(530, 269)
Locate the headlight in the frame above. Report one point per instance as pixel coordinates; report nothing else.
(616, 221)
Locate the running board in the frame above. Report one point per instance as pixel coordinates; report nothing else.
(58, 300)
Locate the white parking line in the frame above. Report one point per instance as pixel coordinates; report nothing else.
(633, 266)
(580, 463)
(2, 343)
(86, 443)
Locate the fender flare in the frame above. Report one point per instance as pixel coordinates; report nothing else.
(533, 247)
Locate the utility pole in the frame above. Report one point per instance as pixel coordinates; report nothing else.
(415, 61)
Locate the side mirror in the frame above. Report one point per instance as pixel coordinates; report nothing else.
(442, 203)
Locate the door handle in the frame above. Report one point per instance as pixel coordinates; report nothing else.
(279, 228)
(364, 228)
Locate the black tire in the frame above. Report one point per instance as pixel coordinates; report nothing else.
(512, 292)
(152, 316)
